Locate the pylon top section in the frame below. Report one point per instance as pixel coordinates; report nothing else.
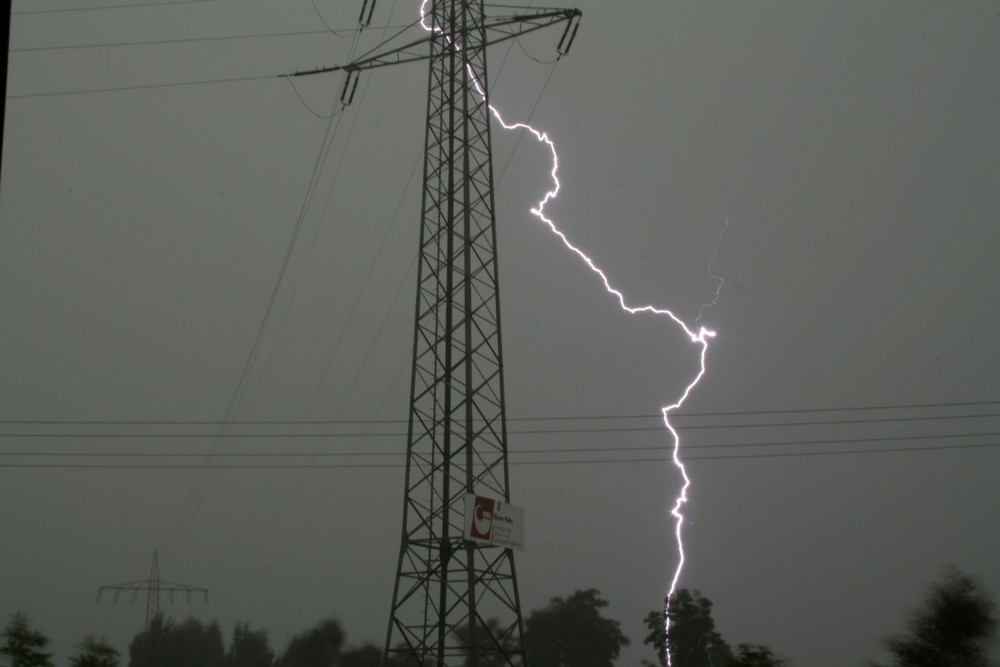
(400, 49)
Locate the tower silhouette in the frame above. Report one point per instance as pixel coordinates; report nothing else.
(152, 587)
(455, 601)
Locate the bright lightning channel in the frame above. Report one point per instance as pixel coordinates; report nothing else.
(700, 336)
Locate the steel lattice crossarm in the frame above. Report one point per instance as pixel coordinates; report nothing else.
(496, 28)
(136, 587)
(152, 586)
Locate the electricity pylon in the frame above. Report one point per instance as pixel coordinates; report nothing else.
(455, 602)
(152, 586)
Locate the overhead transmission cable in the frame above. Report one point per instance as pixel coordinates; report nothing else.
(325, 207)
(335, 483)
(337, 345)
(531, 451)
(334, 353)
(130, 5)
(520, 431)
(142, 86)
(163, 42)
(598, 417)
(199, 490)
(664, 459)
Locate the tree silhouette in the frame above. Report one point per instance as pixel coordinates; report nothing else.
(755, 655)
(952, 629)
(24, 646)
(95, 653)
(318, 647)
(694, 641)
(249, 648)
(366, 655)
(164, 644)
(572, 633)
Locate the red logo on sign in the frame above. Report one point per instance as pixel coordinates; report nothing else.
(482, 518)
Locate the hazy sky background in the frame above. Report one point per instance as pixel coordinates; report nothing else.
(853, 147)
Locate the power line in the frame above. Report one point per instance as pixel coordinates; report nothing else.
(323, 20)
(546, 431)
(197, 495)
(142, 86)
(181, 40)
(329, 364)
(194, 40)
(857, 408)
(721, 457)
(59, 10)
(331, 422)
(532, 451)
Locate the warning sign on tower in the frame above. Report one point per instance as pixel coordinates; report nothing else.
(491, 521)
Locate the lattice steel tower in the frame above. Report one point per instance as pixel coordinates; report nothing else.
(152, 588)
(450, 592)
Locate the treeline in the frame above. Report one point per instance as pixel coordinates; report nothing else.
(955, 627)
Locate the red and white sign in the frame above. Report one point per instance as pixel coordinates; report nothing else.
(491, 521)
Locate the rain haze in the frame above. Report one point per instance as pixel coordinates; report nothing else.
(836, 164)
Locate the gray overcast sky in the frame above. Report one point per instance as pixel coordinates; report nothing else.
(853, 146)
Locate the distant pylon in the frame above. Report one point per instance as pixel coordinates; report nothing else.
(152, 586)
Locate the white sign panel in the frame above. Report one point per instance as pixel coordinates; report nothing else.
(491, 521)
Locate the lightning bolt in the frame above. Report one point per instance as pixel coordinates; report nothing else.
(698, 335)
(721, 281)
